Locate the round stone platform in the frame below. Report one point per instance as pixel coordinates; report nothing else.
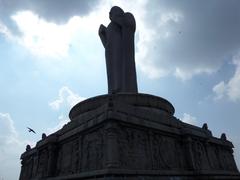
(138, 100)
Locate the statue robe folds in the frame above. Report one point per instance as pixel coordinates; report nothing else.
(118, 40)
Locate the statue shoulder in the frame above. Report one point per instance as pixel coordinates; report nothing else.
(130, 20)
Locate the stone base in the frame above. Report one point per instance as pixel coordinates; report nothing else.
(129, 136)
(116, 174)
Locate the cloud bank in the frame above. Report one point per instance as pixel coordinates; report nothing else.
(66, 97)
(180, 38)
(187, 118)
(231, 88)
(58, 11)
(11, 147)
(188, 38)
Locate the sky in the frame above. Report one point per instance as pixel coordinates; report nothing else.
(51, 58)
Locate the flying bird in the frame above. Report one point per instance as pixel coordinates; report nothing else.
(31, 130)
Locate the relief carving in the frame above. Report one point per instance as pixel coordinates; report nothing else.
(65, 158)
(133, 149)
(165, 152)
(213, 157)
(92, 155)
(200, 157)
(75, 156)
(227, 160)
(27, 167)
(42, 163)
(52, 153)
(35, 160)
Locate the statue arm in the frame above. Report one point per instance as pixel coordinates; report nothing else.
(102, 34)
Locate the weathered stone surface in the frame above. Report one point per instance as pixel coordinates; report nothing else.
(118, 41)
(125, 136)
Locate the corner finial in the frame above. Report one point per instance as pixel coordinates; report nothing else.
(205, 126)
(223, 137)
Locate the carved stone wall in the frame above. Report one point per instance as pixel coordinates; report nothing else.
(93, 151)
(117, 137)
(133, 145)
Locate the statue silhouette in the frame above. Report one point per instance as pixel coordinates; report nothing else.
(118, 41)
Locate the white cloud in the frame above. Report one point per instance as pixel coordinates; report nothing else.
(7, 127)
(44, 38)
(172, 38)
(11, 148)
(65, 97)
(234, 82)
(230, 89)
(187, 118)
(219, 89)
(62, 121)
(47, 39)
(175, 38)
(170, 17)
(148, 35)
(55, 10)
(4, 30)
(186, 74)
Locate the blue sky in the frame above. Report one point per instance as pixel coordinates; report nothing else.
(51, 58)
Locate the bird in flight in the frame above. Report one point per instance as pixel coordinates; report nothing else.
(31, 130)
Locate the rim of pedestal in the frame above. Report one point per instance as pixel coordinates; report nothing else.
(135, 99)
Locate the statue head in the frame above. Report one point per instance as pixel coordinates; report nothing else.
(115, 11)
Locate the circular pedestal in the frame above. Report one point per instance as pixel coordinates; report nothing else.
(137, 100)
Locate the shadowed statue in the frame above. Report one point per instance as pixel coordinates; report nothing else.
(118, 41)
